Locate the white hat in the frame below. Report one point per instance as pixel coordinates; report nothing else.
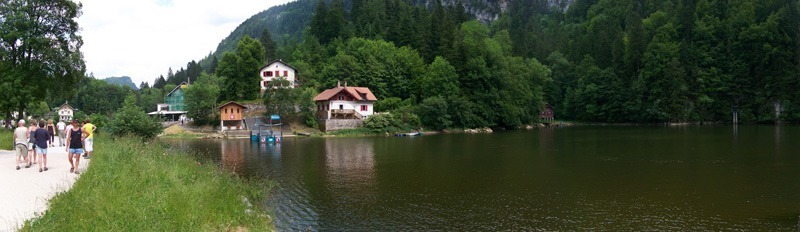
(22, 121)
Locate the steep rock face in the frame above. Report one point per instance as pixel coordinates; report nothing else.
(487, 11)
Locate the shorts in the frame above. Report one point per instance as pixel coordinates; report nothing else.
(76, 151)
(22, 150)
(30, 145)
(87, 144)
(41, 151)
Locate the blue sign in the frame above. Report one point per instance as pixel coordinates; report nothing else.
(275, 117)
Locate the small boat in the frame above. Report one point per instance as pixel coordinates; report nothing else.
(408, 134)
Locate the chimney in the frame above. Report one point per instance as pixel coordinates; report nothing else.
(338, 84)
(345, 84)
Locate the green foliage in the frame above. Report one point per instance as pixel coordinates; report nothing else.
(38, 109)
(135, 186)
(201, 99)
(280, 99)
(39, 51)
(391, 104)
(391, 122)
(149, 98)
(7, 136)
(434, 113)
(239, 71)
(132, 120)
(609, 61)
(100, 121)
(308, 108)
(97, 96)
(384, 68)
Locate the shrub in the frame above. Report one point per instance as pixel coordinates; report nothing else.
(131, 120)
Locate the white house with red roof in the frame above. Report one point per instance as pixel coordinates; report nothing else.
(277, 69)
(345, 102)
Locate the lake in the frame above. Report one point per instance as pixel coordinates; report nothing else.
(568, 178)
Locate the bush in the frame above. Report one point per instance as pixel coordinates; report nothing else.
(100, 121)
(434, 112)
(131, 120)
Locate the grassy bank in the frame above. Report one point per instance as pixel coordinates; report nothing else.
(7, 138)
(133, 186)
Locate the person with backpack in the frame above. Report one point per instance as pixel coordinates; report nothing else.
(41, 138)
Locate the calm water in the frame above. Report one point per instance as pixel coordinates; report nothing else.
(573, 178)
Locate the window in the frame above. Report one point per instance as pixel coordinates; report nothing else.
(237, 110)
(364, 107)
(285, 73)
(226, 110)
(341, 97)
(268, 74)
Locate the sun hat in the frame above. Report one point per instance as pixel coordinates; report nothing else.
(21, 121)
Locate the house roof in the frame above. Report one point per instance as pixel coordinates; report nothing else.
(65, 105)
(278, 61)
(177, 87)
(232, 102)
(356, 92)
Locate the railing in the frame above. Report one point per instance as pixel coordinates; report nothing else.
(346, 112)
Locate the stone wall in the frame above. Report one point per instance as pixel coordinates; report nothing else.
(338, 124)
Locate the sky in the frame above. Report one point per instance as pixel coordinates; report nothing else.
(144, 38)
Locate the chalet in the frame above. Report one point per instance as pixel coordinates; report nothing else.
(277, 69)
(65, 112)
(175, 108)
(231, 116)
(340, 104)
(345, 103)
(547, 115)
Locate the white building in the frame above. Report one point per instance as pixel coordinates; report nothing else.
(277, 69)
(65, 112)
(345, 103)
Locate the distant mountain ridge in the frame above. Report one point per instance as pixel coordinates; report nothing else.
(122, 81)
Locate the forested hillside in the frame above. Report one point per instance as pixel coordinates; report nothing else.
(598, 60)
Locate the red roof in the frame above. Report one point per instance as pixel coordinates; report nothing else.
(359, 93)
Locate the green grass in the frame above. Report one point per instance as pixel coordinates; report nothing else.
(135, 186)
(6, 139)
(183, 135)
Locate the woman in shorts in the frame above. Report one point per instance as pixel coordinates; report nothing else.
(74, 146)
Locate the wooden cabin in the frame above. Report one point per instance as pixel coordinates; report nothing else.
(547, 115)
(231, 116)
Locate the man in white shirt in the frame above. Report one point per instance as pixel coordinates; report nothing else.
(62, 128)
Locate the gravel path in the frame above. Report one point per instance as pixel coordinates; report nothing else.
(25, 192)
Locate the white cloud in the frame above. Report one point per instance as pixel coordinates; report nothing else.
(142, 39)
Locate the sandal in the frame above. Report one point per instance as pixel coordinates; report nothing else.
(71, 170)
(77, 172)
(17, 167)
(40, 170)
(45, 169)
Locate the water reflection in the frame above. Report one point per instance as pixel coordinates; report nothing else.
(596, 178)
(232, 154)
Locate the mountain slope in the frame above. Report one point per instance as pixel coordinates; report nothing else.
(122, 81)
(288, 21)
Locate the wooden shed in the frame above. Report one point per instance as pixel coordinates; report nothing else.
(231, 116)
(547, 115)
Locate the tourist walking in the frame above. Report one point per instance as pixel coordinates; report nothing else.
(74, 146)
(51, 130)
(88, 144)
(20, 143)
(31, 151)
(41, 137)
(61, 132)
